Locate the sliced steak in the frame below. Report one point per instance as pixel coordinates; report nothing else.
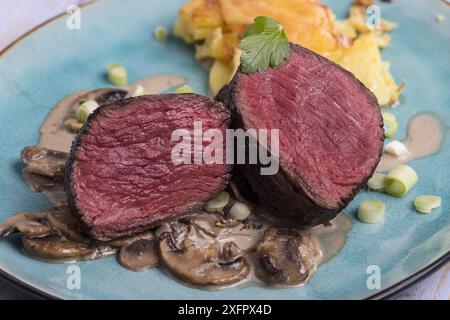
(120, 177)
(331, 135)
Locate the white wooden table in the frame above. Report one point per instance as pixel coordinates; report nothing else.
(19, 16)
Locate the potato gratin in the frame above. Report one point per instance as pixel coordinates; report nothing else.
(216, 28)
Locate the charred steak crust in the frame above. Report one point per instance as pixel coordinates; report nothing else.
(284, 200)
(137, 226)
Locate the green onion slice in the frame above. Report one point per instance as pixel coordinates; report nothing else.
(376, 182)
(396, 148)
(390, 124)
(400, 180)
(426, 203)
(184, 89)
(371, 211)
(161, 34)
(240, 211)
(219, 202)
(138, 91)
(117, 74)
(85, 109)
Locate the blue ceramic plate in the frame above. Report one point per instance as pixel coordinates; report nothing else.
(53, 61)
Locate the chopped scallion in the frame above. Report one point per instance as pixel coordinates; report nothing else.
(219, 202)
(85, 109)
(376, 182)
(371, 211)
(117, 74)
(396, 148)
(161, 34)
(400, 180)
(424, 204)
(138, 91)
(390, 124)
(184, 89)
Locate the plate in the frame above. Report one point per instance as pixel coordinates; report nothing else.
(53, 61)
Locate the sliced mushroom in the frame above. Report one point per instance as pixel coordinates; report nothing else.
(33, 228)
(178, 229)
(49, 163)
(228, 223)
(39, 183)
(119, 243)
(231, 251)
(286, 257)
(64, 223)
(73, 125)
(140, 255)
(210, 224)
(101, 96)
(206, 223)
(52, 188)
(107, 95)
(201, 265)
(254, 224)
(10, 225)
(57, 249)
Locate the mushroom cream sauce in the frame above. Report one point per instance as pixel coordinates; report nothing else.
(234, 250)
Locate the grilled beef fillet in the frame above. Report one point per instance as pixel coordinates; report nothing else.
(331, 135)
(120, 176)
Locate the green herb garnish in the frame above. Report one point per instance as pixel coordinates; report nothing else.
(264, 45)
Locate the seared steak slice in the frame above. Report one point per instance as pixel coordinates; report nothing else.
(120, 177)
(331, 135)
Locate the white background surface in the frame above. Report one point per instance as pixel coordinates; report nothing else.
(19, 16)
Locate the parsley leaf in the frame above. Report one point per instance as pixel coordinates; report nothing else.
(264, 45)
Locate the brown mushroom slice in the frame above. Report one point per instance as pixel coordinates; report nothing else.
(101, 96)
(178, 229)
(73, 125)
(33, 228)
(39, 183)
(107, 95)
(120, 242)
(52, 188)
(140, 255)
(206, 223)
(231, 251)
(205, 266)
(286, 257)
(64, 223)
(210, 224)
(9, 225)
(228, 223)
(40, 160)
(57, 249)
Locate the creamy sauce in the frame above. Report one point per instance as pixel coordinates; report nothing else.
(424, 139)
(55, 136)
(329, 239)
(332, 238)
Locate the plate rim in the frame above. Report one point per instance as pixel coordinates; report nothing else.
(384, 294)
(40, 293)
